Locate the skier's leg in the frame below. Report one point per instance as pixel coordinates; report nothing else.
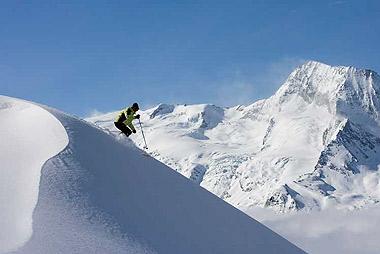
(127, 131)
(118, 125)
(123, 128)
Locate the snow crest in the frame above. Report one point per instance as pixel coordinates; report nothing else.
(29, 137)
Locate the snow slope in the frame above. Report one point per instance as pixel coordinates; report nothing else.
(29, 136)
(102, 195)
(312, 145)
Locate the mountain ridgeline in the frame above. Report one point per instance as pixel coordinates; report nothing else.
(314, 144)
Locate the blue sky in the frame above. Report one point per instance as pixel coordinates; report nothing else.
(81, 56)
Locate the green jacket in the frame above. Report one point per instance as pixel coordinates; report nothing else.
(126, 117)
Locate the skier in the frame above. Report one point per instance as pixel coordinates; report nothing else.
(124, 120)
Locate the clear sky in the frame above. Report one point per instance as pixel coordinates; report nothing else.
(81, 56)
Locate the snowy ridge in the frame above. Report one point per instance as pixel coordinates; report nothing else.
(271, 153)
(101, 195)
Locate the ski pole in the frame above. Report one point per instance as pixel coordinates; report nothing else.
(146, 147)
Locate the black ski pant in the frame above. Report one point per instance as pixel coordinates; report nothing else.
(123, 128)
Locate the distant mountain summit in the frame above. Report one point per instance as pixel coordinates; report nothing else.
(314, 144)
(338, 88)
(349, 133)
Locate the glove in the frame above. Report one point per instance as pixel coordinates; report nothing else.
(134, 131)
(137, 116)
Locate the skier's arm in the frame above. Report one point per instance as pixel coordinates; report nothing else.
(130, 117)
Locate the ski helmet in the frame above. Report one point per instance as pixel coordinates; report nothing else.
(135, 106)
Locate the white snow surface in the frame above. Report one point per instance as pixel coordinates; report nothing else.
(29, 137)
(306, 147)
(69, 187)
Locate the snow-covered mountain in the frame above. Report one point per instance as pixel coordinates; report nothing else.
(68, 187)
(314, 144)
